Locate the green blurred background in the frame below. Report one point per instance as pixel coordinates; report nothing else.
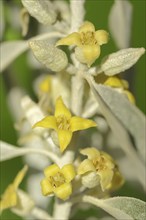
(22, 75)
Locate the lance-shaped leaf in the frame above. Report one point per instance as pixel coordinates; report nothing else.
(131, 117)
(120, 207)
(120, 132)
(50, 56)
(43, 11)
(9, 151)
(120, 61)
(10, 50)
(120, 16)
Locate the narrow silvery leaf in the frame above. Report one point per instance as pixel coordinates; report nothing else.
(10, 50)
(9, 151)
(117, 128)
(120, 16)
(120, 61)
(131, 117)
(50, 56)
(120, 207)
(43, 11)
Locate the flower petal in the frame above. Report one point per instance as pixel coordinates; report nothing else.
(64, 138)
(78, 123)
(18, 179)
(87, 53)
(86, 27)
(63, 191)
(71, 39)
(9, 198)
(101, 36)
(114, 81)
(91, 152)
(46, 187)
(51, 170)
(117, 180)
(61, 109)
(47, 122)
(68, 172)
(105, 178)
(85, 167)
(130, 96)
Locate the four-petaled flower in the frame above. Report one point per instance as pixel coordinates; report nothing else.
(88, 42)
(10, 196)
(99, 169)
(64, 123)
(58, 181)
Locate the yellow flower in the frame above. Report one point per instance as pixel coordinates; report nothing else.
(64, 123)
(45, 85)
(58, 181)
(116, 82)
(10, 197)
(99, 169)
(88, 42)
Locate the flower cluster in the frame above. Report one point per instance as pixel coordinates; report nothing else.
(78, 105)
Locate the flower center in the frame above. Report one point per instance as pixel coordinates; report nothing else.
(88, 38)
(63, 123)
(57, 180)
(100, 163)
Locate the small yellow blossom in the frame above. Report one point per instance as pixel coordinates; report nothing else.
(64, 123)
(45, 85)
(99, 169)
(10, 197)
(88, 42)
(58, 181)
(116, 82)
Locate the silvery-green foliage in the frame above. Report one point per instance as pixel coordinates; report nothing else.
(50, 56)
(117, 127)
(43, 11)
(128, 114)
(121, 16)
(120, 61)
(9, 151)
(120, 207)
(10, 50)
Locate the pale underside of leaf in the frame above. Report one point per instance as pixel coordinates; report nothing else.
(120, 16)
(9, 151)
(131, 117)
(120, 61)
(10, 50)
(119, 131)
(120, 207)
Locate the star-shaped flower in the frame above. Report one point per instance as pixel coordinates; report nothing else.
(10, 197)
(99, 169)
(88, 42)
(64, 124)
(58, 181)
